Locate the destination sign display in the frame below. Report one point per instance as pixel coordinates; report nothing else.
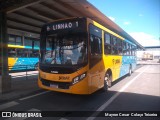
(62, 26)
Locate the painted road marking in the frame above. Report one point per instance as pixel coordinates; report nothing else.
(101, 108)
(18, 76)
(63, 119)
(35, 110)
(34, 95)
(24, 74)
(7, 105)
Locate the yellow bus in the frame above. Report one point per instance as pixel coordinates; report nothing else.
(23, 53)
(22, 58)
(80, 56)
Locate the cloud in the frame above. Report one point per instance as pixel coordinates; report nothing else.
(145, 39)
(112, 18)
(126, 23)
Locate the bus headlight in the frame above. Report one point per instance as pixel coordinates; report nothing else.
(79, 78)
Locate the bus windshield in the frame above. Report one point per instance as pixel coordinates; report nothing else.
(65, 49)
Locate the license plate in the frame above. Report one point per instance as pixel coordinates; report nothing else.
(54, 85)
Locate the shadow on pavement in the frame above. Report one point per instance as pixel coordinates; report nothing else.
(67, 104)
(21, 86)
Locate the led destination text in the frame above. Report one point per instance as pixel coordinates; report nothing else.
(62, 26)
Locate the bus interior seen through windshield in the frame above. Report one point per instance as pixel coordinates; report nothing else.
(65, 49)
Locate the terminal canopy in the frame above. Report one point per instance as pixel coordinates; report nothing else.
(28, 16)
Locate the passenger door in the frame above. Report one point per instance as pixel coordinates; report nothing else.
(95, 57)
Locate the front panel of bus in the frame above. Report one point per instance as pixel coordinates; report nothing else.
(64, 56)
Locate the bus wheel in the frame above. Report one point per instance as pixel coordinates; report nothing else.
(107, 81)
(130, 70)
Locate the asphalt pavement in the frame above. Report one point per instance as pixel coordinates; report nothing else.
(138, 93)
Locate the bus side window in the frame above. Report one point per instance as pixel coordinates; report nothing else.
(20, 53)
(95, 39)
(11, 52)
(114, 46)
(127, 49)
(130, 49)
(36, 44)
(95, 45)
(29, 53)
(107, 44)
(24, 53)
(35, 53)
(133, 50)
(124, 48)
(119, 46)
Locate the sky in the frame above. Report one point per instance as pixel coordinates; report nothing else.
(139, 18)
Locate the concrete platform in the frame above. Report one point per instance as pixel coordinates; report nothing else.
(22, 84)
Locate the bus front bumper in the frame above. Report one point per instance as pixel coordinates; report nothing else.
(80, 87)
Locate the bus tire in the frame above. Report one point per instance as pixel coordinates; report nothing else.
(107, 81)
(130, 70)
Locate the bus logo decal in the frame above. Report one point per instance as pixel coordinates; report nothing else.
(64, 78)
(54, 71)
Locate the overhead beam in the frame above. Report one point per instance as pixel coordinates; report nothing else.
(23, 26)
(30, 16)
(44, 17)
(69, 7)
(14, 5)
(23, 29)
(52, 7)
(45, 14)
(23, 22)
(22, 33)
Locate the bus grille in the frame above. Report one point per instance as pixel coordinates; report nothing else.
(61, 85)
(60, 70)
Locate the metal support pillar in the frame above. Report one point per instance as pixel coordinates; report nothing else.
(5, 78)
